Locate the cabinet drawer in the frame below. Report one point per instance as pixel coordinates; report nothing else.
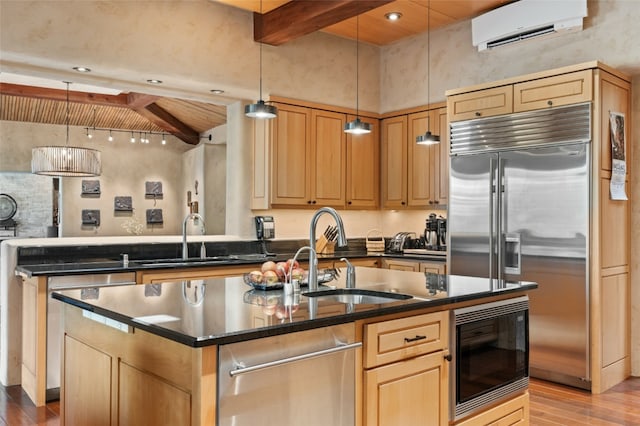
(513, 412)
(558, 90)
(404, 338)
(482, 103)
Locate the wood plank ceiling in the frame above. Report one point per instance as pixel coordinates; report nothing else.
(279, 22)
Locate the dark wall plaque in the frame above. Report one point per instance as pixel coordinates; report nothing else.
(154, 216)
(153, 189)
(123, 204)
(91, 187)
(91, 217)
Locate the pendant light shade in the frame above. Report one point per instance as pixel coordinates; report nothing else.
(260, 109)
(428, 138)
(357, 126)
(66, 161)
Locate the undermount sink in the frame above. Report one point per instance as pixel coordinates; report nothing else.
(357, 296)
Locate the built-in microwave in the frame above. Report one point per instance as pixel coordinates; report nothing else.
(490, 347)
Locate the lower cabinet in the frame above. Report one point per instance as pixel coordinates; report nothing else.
(406, 372)
(413, 391)
(415, 266)
(510, 413)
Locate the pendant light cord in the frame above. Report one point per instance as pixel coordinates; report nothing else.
(261, 27)
(428, 59)
(357, 66)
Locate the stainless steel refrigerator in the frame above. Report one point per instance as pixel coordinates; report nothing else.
(519, 210)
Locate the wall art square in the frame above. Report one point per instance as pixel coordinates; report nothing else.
(154, 216)
(91, 217)
(153, 189)
(123, 204)
(91, 188)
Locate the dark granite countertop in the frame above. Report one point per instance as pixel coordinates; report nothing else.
(226, 310)
(105, 266)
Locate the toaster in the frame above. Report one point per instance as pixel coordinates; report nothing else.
(399, 241)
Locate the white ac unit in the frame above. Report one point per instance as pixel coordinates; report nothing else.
(526, 19)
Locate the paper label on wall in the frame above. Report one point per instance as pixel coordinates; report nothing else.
(618, 161)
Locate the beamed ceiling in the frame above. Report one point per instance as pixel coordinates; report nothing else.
(280, 22)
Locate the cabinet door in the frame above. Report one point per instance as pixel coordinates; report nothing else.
(442, 166)
(363, 166)
(553, 91)
(616, 315)
(394, 162)
(410, 392)
(86, 394)
(481, 103)
(513, 412)
(614, 230)
(328, 158)
(421, 161)
(291, 152)
(401, 265)
(433, 267)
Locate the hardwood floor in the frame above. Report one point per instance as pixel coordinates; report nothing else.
(551, 404)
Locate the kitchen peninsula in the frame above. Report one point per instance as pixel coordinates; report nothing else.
(170, 339)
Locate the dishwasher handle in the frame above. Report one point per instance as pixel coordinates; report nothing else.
(242, 370)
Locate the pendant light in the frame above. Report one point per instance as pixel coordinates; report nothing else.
(357, 126)
(66, 161)
(260, 109)
(428, 138)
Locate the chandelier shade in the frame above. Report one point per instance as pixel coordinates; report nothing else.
(65, 161)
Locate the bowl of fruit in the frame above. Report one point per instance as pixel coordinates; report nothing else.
(273, 275)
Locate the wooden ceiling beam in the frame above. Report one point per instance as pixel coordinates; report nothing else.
(301, 17)
(168, 122)
(61, 95)
(140, 100)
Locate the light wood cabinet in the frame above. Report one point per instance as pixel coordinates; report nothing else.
(363, 167)
(564, 89)
(309, 158)
(511, 413)
(481, 103)
(406, 377)
(414, 266)
(414, 176)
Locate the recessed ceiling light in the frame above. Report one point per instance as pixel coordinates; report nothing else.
(217, 91)
(154, 81)
(82, 69)
(393, 16)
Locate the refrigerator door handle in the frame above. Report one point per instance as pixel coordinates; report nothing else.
(512, 254)
(493, 179)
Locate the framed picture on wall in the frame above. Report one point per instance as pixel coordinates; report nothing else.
(91, 217)
(153, 189)
(123, 204)
(91, 188)
(154, 216)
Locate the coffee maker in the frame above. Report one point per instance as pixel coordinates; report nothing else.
(435, 233)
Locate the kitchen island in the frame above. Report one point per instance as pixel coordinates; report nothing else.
(151, 354)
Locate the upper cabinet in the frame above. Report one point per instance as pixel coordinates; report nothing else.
(481, 103)
(315, 163)
(363, 167)
(564, 89)
(414, 176)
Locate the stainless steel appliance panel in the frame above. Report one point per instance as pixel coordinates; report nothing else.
(544, 224)
(299, 378)
(472, 227)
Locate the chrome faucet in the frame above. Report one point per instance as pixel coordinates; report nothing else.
(295, 258)
(185, 250)
(351, 273)
(313, 257)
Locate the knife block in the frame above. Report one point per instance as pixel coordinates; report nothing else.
(325, 246)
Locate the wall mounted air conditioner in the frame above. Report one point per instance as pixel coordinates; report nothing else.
(526, 19)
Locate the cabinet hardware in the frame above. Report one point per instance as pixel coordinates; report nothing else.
(478, 113)
(448, 357)
(414, 339)
(403, 203)
(549, 102)
(349, 202)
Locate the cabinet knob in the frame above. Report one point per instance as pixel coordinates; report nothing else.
(313, 202)
(349, 202)
(478, 113)
(308, 201)
(448, 357)
(549, 102)
(403, 203)
(430, 201)
(436, 202)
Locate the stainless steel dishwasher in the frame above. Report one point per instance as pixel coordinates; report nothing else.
(305, 378)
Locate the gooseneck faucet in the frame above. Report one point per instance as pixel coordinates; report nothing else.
(185, 249)
(313, 257)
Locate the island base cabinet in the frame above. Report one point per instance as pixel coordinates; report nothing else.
(114, 374)
(510, 413)
(408, 392)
